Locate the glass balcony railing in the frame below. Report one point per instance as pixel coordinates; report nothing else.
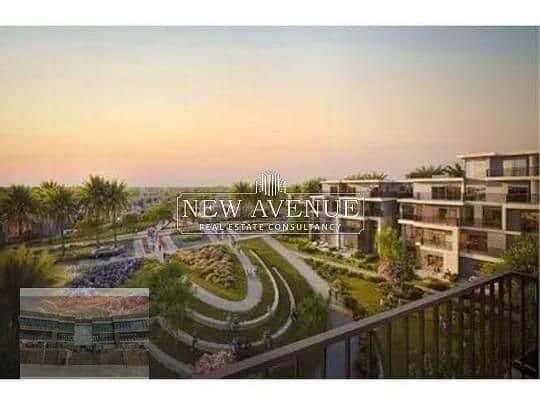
(502, 197)
(431, 219)
(445, 196)
(482, 223)
(513, 171)
(482, 250)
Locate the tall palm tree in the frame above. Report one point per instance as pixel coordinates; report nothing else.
(425, 172)
(454, 170)
(93, 195)
(20, 205)
(242, 187)
(44, 193)
(63, 208)
(116, 199)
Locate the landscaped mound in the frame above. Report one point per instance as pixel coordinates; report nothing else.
(213, 263)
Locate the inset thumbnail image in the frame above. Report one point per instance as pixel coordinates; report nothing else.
(84, 332)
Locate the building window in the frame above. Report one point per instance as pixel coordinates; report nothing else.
(492, 217)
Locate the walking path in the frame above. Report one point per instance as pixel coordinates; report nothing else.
(170, 246)
(252, 298)
(212, 347)
(251, 323)
(138, 247)
(318, 284)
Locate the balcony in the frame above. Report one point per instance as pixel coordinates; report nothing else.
(482, 329)
(482, 223)
(502, 197)
(482, 250)
(436, 243)
(430, 219)
(513, 172)
(446, 195)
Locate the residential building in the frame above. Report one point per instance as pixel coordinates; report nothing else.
(454, 225)
(377, 208)
(500, 205)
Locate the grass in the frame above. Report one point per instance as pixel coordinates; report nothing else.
(236, 293)
(365, 292)
(359, 287)
(294, 243)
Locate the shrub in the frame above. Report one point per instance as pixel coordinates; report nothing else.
(435, 284)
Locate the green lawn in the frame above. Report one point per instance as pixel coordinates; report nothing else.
(365, 292)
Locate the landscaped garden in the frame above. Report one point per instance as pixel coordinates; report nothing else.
(274, 325)
(215, 268)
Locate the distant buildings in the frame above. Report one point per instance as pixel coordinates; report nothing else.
(452, 225)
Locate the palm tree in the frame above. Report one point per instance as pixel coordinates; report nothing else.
(63, 208)
(454, 170)
(20, 205)
(425, 172)
(367, 176)
(93, 199)
(22, 268)
(116, 199)
(44, 193)
(242, 187)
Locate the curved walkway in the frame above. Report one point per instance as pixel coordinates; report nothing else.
(251, 323)
(316, 282)
(212, 347)
(253, 295)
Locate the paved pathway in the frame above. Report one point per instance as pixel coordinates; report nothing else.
(251, 323)
(170, 246)
(138, 247)
(253, 296)
(210, 346)
(318, 284)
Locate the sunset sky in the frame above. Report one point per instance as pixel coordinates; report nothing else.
(193, 106)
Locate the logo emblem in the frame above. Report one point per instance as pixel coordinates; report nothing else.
(270, 184)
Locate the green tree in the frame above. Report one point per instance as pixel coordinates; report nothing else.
(44, 193)
(116, 199)
(157, 213)
(20, 205)
(367, 176)
(93, 198)
(312, 186)
(172, 294)
(395, 263)
(313, 314)
(425, 172)
(22, 268)
(244, 191)
(521, 256)
(455, 170)
(63, 209)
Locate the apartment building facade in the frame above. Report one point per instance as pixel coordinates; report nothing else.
(454, 225)
(501, 204)
(378, 208)
(451, 225)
